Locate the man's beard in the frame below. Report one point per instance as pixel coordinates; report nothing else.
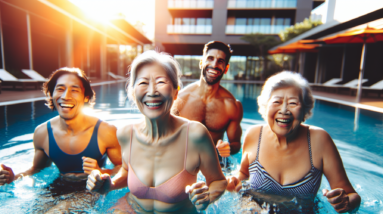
(212, 81)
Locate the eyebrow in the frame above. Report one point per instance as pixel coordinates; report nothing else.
(73, 86)
(283, 97)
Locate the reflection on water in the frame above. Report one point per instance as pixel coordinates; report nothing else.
(360, 149)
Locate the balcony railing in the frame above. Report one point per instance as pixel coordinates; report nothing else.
(189, 29)
(191, 4)
(232, 4)
(249, 29)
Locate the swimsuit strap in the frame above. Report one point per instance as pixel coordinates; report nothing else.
(131, 142)
(259, 143)
(308, 139)
(186, 147)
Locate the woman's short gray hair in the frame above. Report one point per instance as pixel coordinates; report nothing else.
(167, 62)
(282, 80)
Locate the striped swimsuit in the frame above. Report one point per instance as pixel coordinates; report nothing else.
(261, 181)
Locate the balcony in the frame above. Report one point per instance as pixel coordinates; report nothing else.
(189, 29)
(251, 29)
(190, 4)
(254, 4)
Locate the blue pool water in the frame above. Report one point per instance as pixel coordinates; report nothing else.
(361, 149)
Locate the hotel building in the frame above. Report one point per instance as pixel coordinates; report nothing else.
(184, 26)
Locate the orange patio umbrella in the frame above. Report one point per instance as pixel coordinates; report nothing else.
(363, 35)
(296, 47)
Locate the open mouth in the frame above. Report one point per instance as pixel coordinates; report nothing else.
(64, 105)
(213, 72)
(153, 104)
(284, 122)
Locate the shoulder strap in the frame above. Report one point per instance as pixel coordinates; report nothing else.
(131, 142)
(51, 138)
(309, 141)
(259, 143)
(93, 139)
(186, 146)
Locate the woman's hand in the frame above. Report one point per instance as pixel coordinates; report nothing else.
(234, 184)
(89, 164)
(223, 148)
(98, 182)
(199, 195)
(6, 174)
(338, 199)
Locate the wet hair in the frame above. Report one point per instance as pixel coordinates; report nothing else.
(49, 86)
(282, 80)
(220, 46)
(167, 62)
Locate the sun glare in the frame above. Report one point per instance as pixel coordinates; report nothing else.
(101, 11)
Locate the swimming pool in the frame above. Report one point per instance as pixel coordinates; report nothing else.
(361, 150)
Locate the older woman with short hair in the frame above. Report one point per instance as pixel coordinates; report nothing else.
(163, 153)
(286, 157)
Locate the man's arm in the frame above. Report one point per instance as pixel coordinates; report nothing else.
(107, 135)
(40, 160)
(234, 130)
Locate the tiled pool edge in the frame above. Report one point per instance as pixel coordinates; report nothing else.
(352, 104)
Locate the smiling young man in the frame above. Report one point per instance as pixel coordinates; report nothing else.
(211, 104)
(77, 143)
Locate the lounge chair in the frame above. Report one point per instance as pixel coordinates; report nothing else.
(9, 79)
(375, 88)
(115, 76)
(323, 86)
(34, 75)
(348, 86)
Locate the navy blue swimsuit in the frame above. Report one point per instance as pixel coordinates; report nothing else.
(73, 163)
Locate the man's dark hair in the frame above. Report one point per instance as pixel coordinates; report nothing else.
(220, 46)
(49, 86)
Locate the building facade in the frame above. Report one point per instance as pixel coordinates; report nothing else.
(46, 35)
(184, 26)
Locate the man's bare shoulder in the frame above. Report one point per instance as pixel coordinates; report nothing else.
(189, 90)
(107, 133)
(40, 135)
(232, 105)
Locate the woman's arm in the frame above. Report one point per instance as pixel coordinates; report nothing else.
(342, 195)
(202, 194)
(250, 142)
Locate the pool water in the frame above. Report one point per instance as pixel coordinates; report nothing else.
(359, 145)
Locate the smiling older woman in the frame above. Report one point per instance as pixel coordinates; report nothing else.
(163, 153)
(286, 157)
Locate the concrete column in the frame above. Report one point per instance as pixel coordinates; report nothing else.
(2, 44)
(316, 80)
(303, 11)
(103, 58)
(29, 42)
(69, 44)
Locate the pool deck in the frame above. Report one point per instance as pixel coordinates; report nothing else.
(10, 97)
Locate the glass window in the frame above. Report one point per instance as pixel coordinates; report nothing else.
(287, 21)
(250, 21)
(186, 21)
(208, 21)
(279, 21)
(257, 21)
(240, 21)
(201, 21)
(265, 21)
(192, 21)
(177, 21)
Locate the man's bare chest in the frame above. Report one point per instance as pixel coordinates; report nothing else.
(212, 114)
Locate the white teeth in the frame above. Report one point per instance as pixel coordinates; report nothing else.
(153, 104)
(66, 105)
(212, 71)
(283, 120)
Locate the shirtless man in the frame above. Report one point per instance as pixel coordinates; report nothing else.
(75, 142)
(211, 104)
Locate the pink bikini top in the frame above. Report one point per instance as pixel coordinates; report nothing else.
(171, 191)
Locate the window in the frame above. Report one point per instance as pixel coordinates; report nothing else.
(192, 21)
(240, 21)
